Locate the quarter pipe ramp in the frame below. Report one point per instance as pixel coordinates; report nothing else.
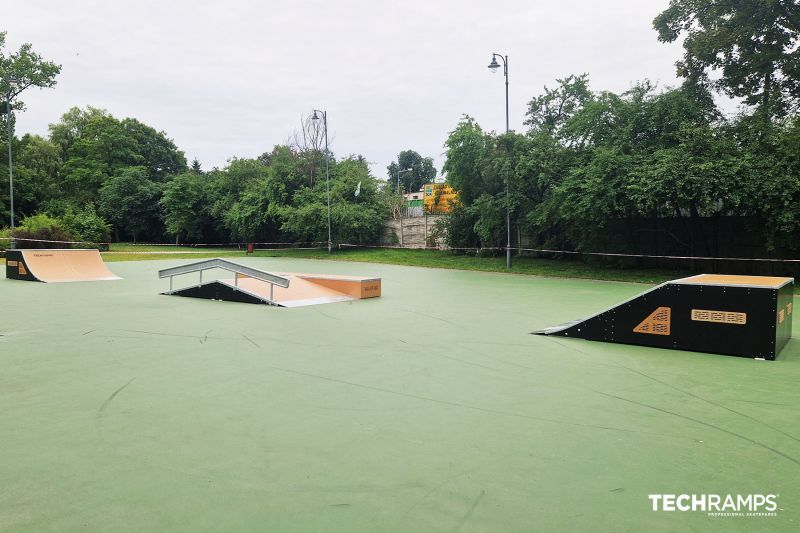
(57, 266)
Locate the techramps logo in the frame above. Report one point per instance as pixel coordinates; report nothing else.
(718, 505)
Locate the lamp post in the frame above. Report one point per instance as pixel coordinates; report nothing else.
(493, 66)
(402, 203)
(12, 84)
(315, 116)
(398, 177)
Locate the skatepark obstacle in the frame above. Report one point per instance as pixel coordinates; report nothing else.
(746, 316)
(250, 285)
(57, 266)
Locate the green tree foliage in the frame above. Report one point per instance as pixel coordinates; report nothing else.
(592, 159)
(42, 231)
(753, 44)
(38, 163)
(185, 206)
(29, 69)
(129, 201)
(86, 225)
(96, 146)
(421, 171)
(354, 218)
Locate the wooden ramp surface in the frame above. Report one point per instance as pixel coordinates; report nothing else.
(59, 266)
(310, 289)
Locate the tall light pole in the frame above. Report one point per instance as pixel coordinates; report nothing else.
(315, 116)
(402, 204)
(493, 66)
(12, 84)
(398, 176)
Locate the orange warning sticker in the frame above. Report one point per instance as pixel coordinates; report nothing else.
(789, 308)
(720, 317)
(22, 271)
(781, 316)
(658, 323)
(11, 263)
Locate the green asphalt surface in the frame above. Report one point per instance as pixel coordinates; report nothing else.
(431, 408)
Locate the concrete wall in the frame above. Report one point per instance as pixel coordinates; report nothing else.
(415, 233)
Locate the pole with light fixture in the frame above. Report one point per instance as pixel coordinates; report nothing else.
(12, 84)
(493, 66)
(315, 116)
(398, 177)
(403, 198)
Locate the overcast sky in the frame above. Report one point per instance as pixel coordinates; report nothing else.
(233, 78)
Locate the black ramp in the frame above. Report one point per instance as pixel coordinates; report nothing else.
(697, 314)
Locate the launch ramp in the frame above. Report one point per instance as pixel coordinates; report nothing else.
(747, 316)
(57, 266)
(250, 285)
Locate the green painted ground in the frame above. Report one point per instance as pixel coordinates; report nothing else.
(429, 409)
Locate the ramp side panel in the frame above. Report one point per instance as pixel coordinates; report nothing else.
(357, 288)
(783, 324)
(17, 268)
(562, 328)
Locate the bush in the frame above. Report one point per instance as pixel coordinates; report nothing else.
(42, 227)
(86, 225)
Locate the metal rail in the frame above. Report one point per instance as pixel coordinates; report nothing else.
(224, 264)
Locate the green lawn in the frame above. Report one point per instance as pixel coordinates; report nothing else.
(410, 257)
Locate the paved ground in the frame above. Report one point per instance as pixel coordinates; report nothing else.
(429, 409)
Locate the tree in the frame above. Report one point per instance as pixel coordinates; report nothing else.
(71, 126)
(355, 218)
(37, 167)
(29, 69)
(549, 112)
(86, 225)
(129, 201)
(466, 147)
(184, 205)
(752, 43)
(309, 144)
(421, 172)
(157, 152)
(96, 146)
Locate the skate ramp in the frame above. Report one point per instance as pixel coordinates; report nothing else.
(283, 289)
(57, 266)
(746, 316)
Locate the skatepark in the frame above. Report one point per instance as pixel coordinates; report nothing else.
(430, 408)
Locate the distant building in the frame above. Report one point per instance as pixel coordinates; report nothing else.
(439, 197)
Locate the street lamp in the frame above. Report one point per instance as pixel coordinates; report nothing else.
(493, 66)
(398, 177)
(12, 85)
(315, 116)
(402, 204)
